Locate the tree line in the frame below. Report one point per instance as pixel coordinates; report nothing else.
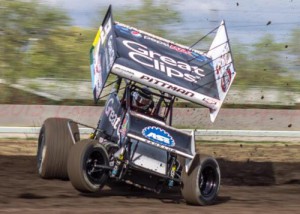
(40, 41)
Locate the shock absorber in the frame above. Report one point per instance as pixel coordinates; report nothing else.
(119, 156)
(172, 172)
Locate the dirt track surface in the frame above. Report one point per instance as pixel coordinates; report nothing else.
(256, 178)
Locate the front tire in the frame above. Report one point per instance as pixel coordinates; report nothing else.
(83, 160)
(54, 143)
(201, 185)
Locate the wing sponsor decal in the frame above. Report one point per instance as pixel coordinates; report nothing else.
(222, 61)
(122, 29)
(158, 135)
(220, 53)
(226, 79)
(180, 49)
(136, 34)
(199, 57)
(166, 44)
(128, 30)
(163, 64)
(111, 51)
(142, 55)
(223, 68)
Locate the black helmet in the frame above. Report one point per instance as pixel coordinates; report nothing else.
(142, 98)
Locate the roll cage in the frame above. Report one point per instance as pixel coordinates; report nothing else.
(163, 102)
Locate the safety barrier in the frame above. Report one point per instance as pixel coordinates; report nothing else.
(198, 132)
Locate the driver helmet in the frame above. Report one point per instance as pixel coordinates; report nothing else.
(142, 98)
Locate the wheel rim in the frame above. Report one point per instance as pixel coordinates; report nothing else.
(208, 182)
(41, 152)
(93, 171)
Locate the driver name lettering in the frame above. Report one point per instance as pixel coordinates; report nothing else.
(167, 86)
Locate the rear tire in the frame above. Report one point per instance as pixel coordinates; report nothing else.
(201, 185)
(54, 143)
(82, 170)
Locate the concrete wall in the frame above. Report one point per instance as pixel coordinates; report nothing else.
(237, 119)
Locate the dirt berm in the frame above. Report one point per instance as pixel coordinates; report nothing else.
(256, 178)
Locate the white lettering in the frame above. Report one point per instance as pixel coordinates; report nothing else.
(198, 71)
(133, 56)
(190, 78)
(111, 52)
(168, 86)
(184, 66)
(105, 30)
(153, 54)
(159, 138)
(168, 60)
(111, 114)
(129, 44)
(142, 55)
(172, 72)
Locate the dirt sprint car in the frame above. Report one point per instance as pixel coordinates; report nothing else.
(134, 141)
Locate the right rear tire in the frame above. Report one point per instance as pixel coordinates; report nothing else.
(200, 186)
(83, 166)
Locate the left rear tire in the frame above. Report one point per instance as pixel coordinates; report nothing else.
(54, 143)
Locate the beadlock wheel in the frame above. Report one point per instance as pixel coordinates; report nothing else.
(201, 185)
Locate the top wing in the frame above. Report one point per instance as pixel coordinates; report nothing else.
(162, 64)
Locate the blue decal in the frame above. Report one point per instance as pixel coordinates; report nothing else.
(158, 135)
(122, 29)
(199, 57)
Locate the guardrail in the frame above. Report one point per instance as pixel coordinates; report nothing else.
(10, 131)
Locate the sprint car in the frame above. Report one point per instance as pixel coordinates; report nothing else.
(134, 141)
